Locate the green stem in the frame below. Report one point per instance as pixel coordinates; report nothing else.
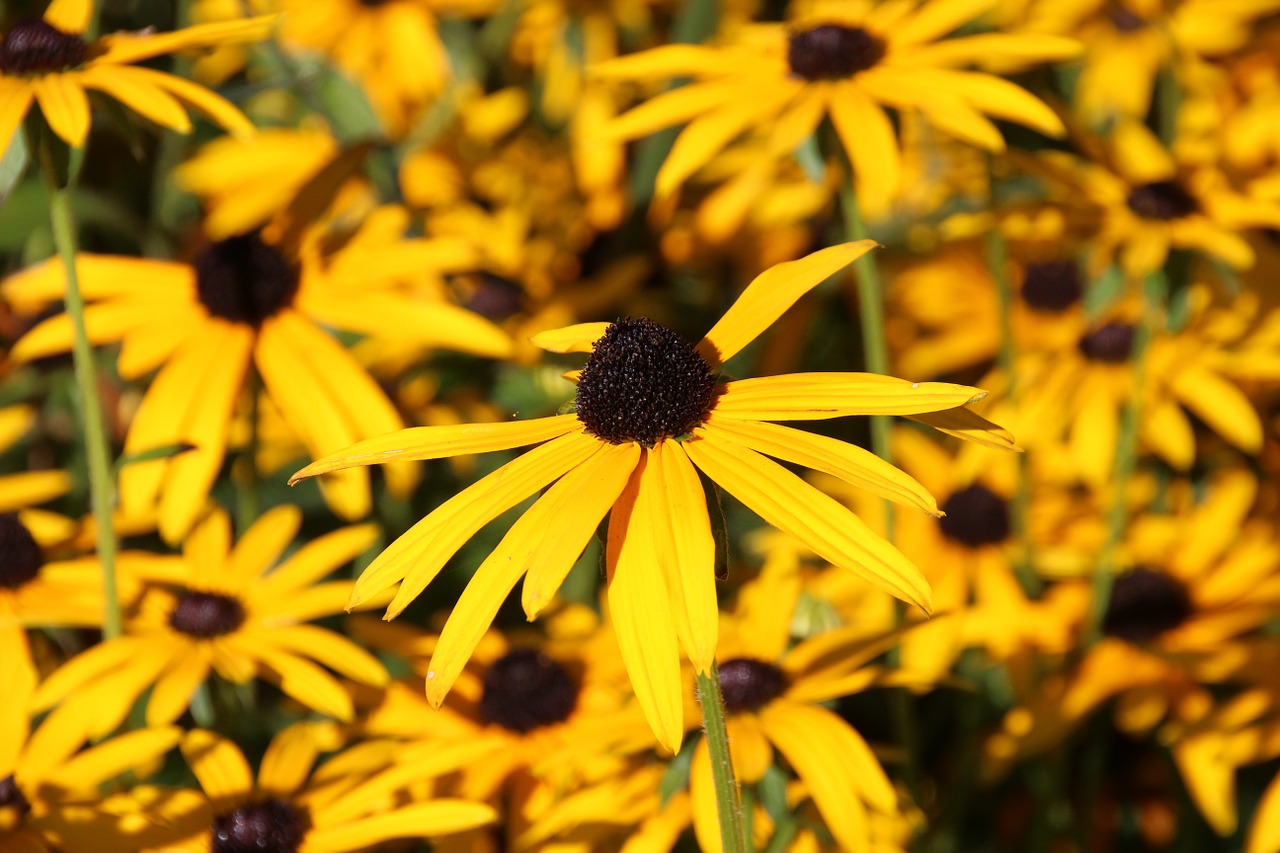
(97, 446)
(728, 802)
(1155, 296)
(998, 260)
(246, 469)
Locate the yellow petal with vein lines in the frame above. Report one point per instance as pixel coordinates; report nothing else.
(218, 765)
(305, 681)
(418, 555)
(793, 506)
(970, 426)
(584, 495)
(770, 294)
(65, 106)
(262, 544)
(578, 338)
(676, 506)
(438, 817)
(853, 464)
(869, 139)
(124, 48)
(642, 621)
(118, 755)
(216, 107)
(288, 761)
(439, 442)
(329, 648)
(825, 753)
(314, 560)
(816, 396)
(174, 688)
(1220, 404)
(997, 97)
(139, 95)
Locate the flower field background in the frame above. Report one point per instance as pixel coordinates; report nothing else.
(640, 425)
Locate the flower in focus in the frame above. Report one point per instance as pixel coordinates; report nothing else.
(48, 61)
(225, 610)
(292, 806)
(649, 417)
(848, 61)
(244, 301)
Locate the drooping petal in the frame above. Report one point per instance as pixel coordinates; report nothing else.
(219, 766)
(868, 138)
(65, 106)
(288, 761)
(139, 95)
(968, 425)
(770, 294)
(793, 506)
(817, 396)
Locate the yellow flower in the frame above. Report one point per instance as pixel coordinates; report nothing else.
(243, 301)
(229, 613)
(47, 61)
(292, 806)
(846, 60)
(649, 416)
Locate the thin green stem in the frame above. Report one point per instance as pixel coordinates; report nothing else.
(728, 801)
(1155, 296)
(97, 446)
(246, 469)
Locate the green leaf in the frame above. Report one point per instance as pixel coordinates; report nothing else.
(13, 164)
(1102, 291)
(676, 778)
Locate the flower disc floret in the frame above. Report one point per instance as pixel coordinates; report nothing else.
(256, 827)
(12, 801)
(748, 684)
(525, 690)
(643, 383)
(20, 555)
(206, 614)
(36, 47)
(833, 52)
(243, 279)
(1162, 200)
(1052, 286)
(1111, 343)
(975, 516)
(1145, 603)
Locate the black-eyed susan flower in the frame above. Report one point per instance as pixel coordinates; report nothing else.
(232, 611)
(293, 806)
(649, 417)
(47, 61)
(244, 303)
(848, 61)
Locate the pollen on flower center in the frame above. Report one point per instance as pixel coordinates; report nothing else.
(1145, 603)
(525, 690)
(1051, 286)
(20, 555)
(1162, 200)
(643, 382)
(833, 52)
(253, 828)
(12, 801)
(35, 47)
(1111, 343)
(748, 684)
(244, 280)
(975, 516)
(206, 614)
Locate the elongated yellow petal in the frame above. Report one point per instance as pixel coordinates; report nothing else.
(213, 105)
(579, 338)
(1210, 776)
(419, 554)
(676, 506)
(816, 396)
(124, 48)
(997, 97)
(584, 495)
(305, 681)
(936, 19)
(1220, 404)
(671, 108)
(32, 487)
(438, 817)
(440, 442)
(314, 560)
(174, 688)
(702, 796)
(15, 100)
(288, 761)
(69, 16)
(869, 139)
(642, 620)
(118, 755)
(262, 544)
(219, 766)
(329, 648)
(853, 464)
(1008, 49)
(969, 425)
(770, 294)
(673, 60)
(139, 95)
(793, 506)
(1264, 834)
(65, 106)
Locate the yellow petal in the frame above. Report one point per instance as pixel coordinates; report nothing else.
(65, 106)
(138, 94)
(261, 545)
(937, 19)
(316, 559)
(579, 338)
(868, 138)
(174, 688)
(970, 426)
(32, 487)
(120, 754)
(438, 817)
(793, 506)
(15, 100)
(1264, 834)
(770, 294)
(125, 48)
(1210, 778)
(219, 767)
(69, 16)
(816, 396)
(288, 761)
(702, 796)
(216, 107)
(329, 648)
(305, 681)
(1220, 404)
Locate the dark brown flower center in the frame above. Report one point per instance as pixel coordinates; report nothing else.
(1145, 602)
(1051, 286)
(493, 296)
(1111, 343)
(35, 47)
(525, 690)
(1125, 19)
(244, 280)
(20, 555)
(1162, 200)
(975, 516)
(12, 802)
(643, 382)
(748, 684)
(833, 52)
(271, 826)
(206, 614)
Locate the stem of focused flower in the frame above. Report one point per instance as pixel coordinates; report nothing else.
(997, 260)
(728, 801)
(97, 446)
(1155, 296)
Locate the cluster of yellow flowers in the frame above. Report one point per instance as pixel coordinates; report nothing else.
(547, 293)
